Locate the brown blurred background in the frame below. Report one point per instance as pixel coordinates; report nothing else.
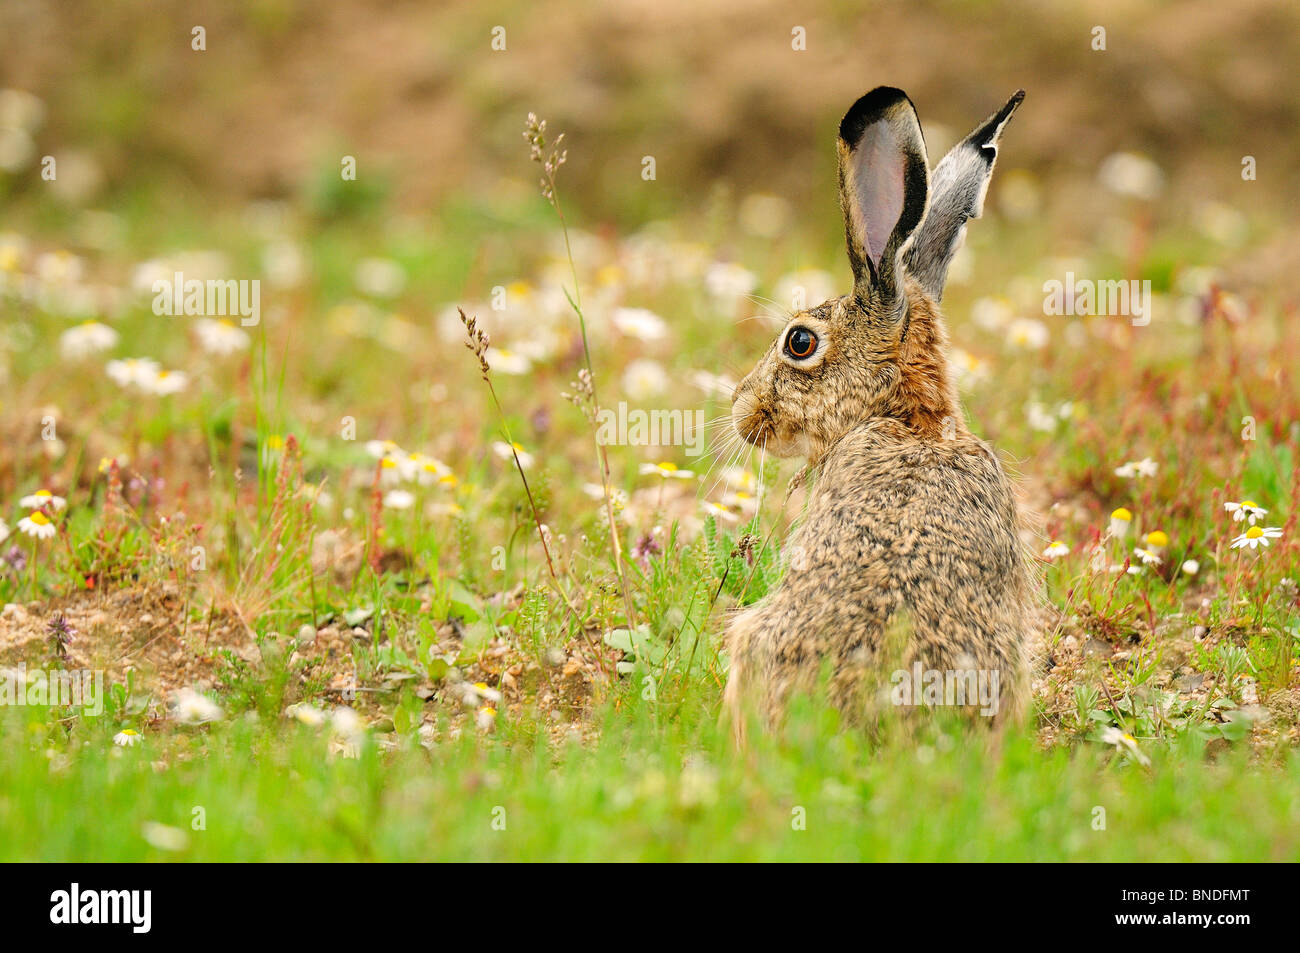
(712, 90)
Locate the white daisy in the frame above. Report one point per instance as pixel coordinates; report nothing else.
(382, 448)
(192, 708)
(667, 470)
(1126, 742)
(644, 378)
(508, 451)
(86, 339)
(127, 738)
(399, 499)
(1253, 538)
(433, 471)
(639, 323)
(1055, 550)
(1120, 522)
(306, 714)
(165, 383)
(37, 525)
(1146, 467)
(221, 337)
(1245, 510)
(137, 371)
(718, 511)
(1028, 334)
(507, 362)
(1148, 558)
(41, 499)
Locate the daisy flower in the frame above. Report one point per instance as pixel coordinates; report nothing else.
(37, 525)
(1055, 550)
(1157, 540)
(392, 471)
(309, 715)
(508, 451)
(399, 499)
(640, 323)
(382, 448)
(507, 362)
(718, 511)
(742, 501)
(220, 337)
(667, 470)
(41, 499)
(1253, 538)
(1147, 556)
(1120, 522)
(478, 692)
(192, 708)
(165, 383)
(1191, 567)
(127, 738)
(1123, 741)
(1027, 334)
(1146, 467)
(86, 339)
(431, 471)
(644, 378)
(1245, 510)
(138, 371)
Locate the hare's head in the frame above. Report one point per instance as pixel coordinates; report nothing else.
(876, 352)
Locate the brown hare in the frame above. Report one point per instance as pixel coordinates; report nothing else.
(911, 521)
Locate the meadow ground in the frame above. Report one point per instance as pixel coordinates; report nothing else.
(302, 556)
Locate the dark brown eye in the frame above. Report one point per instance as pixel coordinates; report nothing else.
(800, 343)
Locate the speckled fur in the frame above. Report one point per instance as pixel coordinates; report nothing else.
(910, 516)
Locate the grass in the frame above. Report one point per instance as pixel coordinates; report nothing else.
(239, 538)
(648, 790)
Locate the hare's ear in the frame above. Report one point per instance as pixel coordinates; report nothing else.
(956, 195)
(884, 181)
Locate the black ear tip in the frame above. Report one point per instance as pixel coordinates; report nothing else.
(868, 109)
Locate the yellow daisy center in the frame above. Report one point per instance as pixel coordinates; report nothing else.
(39, 518)
(1254, 533)
(670, 467)
(1248, 505)
(1157, 538)
(1122, 514)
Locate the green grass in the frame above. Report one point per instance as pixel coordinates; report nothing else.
(649, 790)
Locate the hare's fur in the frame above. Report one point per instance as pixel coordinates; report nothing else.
(910, 514)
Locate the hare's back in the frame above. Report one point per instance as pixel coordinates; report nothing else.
(930, 513)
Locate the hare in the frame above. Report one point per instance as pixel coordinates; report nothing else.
(911, 521)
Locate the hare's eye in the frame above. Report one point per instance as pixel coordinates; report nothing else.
(800, 343)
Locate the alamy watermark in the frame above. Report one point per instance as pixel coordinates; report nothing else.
(1085, 297)
(215, 297)
(951, 687)
(77, 688)
(635, 427)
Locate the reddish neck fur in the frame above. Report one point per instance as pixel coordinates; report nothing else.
(925, 401)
